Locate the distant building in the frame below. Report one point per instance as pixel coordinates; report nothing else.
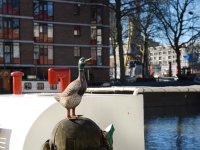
(36, 35)
(132, 53)
(160, 57)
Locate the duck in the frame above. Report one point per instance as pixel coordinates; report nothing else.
(71, 97)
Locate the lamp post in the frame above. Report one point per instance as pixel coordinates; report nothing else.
(191, 13)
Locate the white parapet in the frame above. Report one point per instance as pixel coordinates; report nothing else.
(26, 121)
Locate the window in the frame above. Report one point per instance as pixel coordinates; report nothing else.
(164, 57)
(77, 52)
(76, 9)
(96, 14)
(40, 86)
(9, 28)
(16, 57)
(15, 28)
(164, 53)
(96, 35)
(53, 86)
(9, 53)
(160, 53)
(77, 31)
(169, 52)
(169, 57)
(93, 35)
(43, 10)
(27, 86)
(9, 7)
(160, 58)
(43, 32)
(99, 36)
(43, 55)
(96, 55)
(99, 57)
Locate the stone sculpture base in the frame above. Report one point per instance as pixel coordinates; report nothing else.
(79, 134)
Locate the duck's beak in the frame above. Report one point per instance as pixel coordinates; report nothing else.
(88, 61)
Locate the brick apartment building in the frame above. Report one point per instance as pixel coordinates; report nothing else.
(36, 35)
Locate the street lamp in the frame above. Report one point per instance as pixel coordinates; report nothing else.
(191, 13)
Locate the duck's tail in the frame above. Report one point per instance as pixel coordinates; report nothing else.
(57, 97)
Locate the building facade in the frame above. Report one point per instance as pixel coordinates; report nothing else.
(36, 35)
(160, 57)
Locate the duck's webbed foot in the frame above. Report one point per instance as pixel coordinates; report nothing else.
(68, 114)
(74, 115)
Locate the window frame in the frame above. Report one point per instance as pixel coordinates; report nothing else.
(43, 10)
(40, 86)
(43, 55)
(9, 7)
(96, 35)
(27, 85)
(9, 28)
(99, 56)
(9, 53)
(43, 32)
(96, 55)
(53, 86)
(77, 30)
(77, 51)
(96, 14)
(77, 9)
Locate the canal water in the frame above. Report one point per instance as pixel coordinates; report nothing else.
(172, 128)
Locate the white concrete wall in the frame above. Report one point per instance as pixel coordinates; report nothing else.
(30, 119)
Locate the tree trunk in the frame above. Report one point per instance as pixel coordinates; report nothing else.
(115, 64)
(146, 55)
(119, 39)
(143, 65)
(142, 59)
(178, 61)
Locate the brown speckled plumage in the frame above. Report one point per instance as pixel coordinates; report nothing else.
(71, 97)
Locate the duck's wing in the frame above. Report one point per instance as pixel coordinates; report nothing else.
(72, 88)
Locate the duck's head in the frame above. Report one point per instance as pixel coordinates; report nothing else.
(83, 61)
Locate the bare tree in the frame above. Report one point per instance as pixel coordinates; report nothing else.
(121, 9)
(144, 21)
(175, 23)
(113, 36)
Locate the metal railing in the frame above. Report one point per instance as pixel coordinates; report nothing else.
(166, 79)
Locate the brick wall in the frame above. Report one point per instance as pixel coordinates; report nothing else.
(64, 12)
(26, 53)
(26, 8)
(64, 34)
(26, 29)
